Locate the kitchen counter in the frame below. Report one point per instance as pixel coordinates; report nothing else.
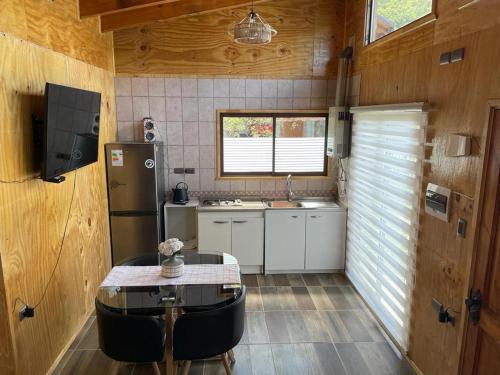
(245, 206)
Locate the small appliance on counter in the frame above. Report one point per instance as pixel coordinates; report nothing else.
(180, 193)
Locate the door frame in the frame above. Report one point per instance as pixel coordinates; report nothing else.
(469, 333)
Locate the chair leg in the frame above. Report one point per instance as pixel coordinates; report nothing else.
(156, 369)
(230, 354)
(187, 366)
(226, 364)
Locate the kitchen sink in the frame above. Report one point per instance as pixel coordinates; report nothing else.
(305, 203)
(283, 204)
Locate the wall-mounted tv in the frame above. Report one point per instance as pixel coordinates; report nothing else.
(70, 136)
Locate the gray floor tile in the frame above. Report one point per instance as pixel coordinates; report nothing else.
(265, 280)
(262, 359)
(303, 299)
(311, 279)
(357, 330)
(352, 359)
(95, 362)
(325, 359)
(281, 280)
(339, 298)
(320, 298)
(277, 327)
(336, 328)
(270, 298)
(90, 339)
(82, 333)
(290, 359)
(257, 328)
(295, 279)
(250, 281)
(254, 300)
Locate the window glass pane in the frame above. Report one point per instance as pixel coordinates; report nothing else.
(247, 144)
(300, 144)
(390, 15)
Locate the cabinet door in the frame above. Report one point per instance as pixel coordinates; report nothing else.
(248, 240)
(214, 234)
(285, 240)
(325, 240)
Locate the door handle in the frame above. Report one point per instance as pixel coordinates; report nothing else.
(239, 221)
(220, 222)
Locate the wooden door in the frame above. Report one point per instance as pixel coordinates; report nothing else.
(481, 353)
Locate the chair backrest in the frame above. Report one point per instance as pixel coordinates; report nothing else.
(149, 259)
(204, 334)
(130, 338)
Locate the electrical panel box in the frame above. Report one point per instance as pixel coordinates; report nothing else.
(339, 132)
(437, 201)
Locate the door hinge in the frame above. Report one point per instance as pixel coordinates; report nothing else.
(473, 303)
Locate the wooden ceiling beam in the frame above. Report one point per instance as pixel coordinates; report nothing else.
(89, 8)
(184, 8)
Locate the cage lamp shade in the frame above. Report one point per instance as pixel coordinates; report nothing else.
(253, 29)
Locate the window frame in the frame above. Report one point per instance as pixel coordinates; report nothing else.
(273, 114)
(419, 22)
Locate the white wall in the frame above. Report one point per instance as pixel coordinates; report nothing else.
(185, 111)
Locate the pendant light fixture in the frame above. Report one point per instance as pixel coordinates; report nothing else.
(253, 29)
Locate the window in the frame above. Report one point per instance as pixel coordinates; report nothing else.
(386, 16)
(385, 171)
(272, 144)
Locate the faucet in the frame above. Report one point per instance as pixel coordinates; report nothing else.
(289, 186)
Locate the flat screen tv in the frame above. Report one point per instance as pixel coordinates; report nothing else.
(70, 136)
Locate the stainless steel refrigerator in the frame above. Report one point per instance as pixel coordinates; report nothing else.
(136, 197)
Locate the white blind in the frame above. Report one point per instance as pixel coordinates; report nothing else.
(385, 170)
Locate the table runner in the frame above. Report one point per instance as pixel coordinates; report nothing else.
(194, 274)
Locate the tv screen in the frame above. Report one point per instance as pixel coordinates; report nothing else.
(71, 130)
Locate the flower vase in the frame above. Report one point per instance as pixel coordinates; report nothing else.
(173, 266)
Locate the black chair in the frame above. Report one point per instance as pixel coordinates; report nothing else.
(150, 259)
(131, 338)
(205, 334)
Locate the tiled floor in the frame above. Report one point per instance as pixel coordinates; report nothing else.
(295, 324)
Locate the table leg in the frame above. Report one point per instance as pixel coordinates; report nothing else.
(169, 352)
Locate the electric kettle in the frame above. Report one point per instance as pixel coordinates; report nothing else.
(180, 193)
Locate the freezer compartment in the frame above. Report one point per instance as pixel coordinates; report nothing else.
(132, 236)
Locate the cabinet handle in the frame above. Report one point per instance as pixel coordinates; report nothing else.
(220, 222)
(295, 216)
(315, 217)
(239, 221)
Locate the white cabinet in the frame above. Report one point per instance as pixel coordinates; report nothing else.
(325, 240)
(285, 240)
(311, 240)
(247, 240)
(240, 233)
(214, 233)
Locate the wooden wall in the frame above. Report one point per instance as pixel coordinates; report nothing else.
(33, 213)
(54, 24)
(310, 36)
(406, 69)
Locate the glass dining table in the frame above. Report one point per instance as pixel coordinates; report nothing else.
(170, 300)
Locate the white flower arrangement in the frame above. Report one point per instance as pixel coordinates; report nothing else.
(170, 246)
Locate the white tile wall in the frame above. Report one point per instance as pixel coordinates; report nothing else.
(185, 108)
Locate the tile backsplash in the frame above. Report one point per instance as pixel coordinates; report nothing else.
(185, 112)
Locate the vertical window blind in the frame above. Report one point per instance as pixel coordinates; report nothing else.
(385, 171)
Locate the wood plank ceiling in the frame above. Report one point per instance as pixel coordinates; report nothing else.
(122, 14)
